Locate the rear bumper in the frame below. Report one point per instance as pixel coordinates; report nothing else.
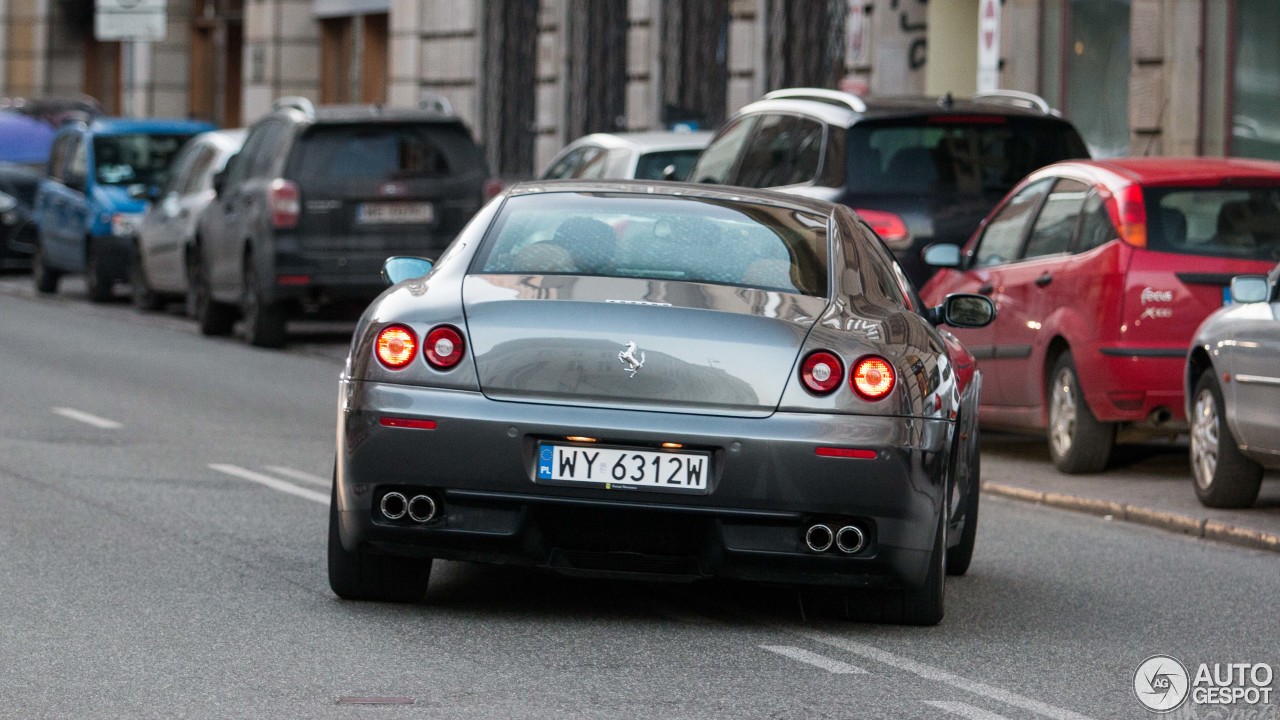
(1133, 384)
(325, 276)
(766, 487)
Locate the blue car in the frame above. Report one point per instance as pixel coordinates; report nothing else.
(89, 208)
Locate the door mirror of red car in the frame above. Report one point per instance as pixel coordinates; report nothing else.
(963, 310)
(942, 255)
(1249, 289)
(399, 269)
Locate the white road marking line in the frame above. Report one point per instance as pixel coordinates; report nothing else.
(965, 710)
(84, 417)
(300, 476)
(812, 658)
(268, 481)
(936, 674)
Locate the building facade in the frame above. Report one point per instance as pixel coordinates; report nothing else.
(1171, 77)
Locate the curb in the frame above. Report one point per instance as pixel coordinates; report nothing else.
(1172, 522)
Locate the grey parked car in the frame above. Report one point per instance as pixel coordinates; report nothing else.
(660, 380)
(163, 259)
(638, 156)
(1233, 390)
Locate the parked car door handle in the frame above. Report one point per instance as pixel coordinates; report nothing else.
(986, 289)
(1044, 279)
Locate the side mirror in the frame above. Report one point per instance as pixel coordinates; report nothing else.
(942, 255)
(1249, 289)
(398, 269)
(669, 172)
(965, 311)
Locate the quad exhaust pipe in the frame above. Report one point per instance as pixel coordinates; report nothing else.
(420, 508)
(849, 539)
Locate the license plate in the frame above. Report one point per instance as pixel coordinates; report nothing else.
(624, 468)
(395, 213)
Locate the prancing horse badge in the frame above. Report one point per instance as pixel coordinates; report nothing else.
(629, 360)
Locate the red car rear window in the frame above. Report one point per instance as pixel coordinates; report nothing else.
(1230, 222)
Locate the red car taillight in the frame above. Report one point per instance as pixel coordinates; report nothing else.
(285, 202)
(889, 226)
(444, 347)
(872, 377)
(1133, 216)
(396, 346)
(821, 372)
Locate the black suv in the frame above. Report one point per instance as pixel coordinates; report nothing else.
(317, 199)
(918, 170)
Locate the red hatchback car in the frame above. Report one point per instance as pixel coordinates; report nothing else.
(1101, 271)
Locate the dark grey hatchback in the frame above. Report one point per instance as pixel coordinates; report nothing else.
(317, 199)
(920, 170)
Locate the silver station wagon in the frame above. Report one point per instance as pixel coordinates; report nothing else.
(660, 380)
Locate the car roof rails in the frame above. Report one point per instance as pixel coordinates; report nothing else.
(297, 102)
(1016, 98)
(430, 100)
(832, 97)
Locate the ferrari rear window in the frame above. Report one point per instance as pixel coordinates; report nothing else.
(1231, 222)
(687, 239)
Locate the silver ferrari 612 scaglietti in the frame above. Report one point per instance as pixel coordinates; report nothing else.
(660, 380)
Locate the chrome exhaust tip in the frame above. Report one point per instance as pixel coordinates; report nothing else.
(422, 509)
(393, 506)
(850, 539)
(818, 538)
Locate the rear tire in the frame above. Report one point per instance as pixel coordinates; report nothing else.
(211, 316)
(264, 323)
(910, 606)
(959, 557)
(45, 277)
(144, 298)
(379, 578)
(97, 280)
(1222, 475)
(1078, 443)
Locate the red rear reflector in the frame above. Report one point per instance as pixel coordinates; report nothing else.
(1127, 399)
(396, 346)
(889, 226)
(821, 372)
(444, 347)
(872, 377)
(411, 423)
(855, 453)
(293, 279)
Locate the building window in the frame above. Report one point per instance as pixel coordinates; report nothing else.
(353, 59)
(695, 62)
(596, 67)
(805, 43)
(1085, 66)
(1255, 78)
(509, 96)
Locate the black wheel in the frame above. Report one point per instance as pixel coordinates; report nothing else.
(380, 578)
(959, 557)
(213, 317)
(45, 277)
(97, 279)
(1224, 478)
(264, 323)
(144, 298)
(1078, 443)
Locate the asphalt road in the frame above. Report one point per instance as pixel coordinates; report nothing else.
(162, 531)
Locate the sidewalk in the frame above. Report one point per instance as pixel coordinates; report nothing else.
(1147, 484)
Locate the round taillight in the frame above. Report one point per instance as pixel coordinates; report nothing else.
(872, 377)
(444, 347)
(396, 346)
(821, 372)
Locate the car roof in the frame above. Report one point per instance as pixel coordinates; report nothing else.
(1166, 170)
(846, 109)
(649, 141)
(224, 139)
(675, 190)
(125, 126)
(353, 114)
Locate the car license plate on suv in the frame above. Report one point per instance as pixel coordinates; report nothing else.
(394, 213)
(624, 468)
